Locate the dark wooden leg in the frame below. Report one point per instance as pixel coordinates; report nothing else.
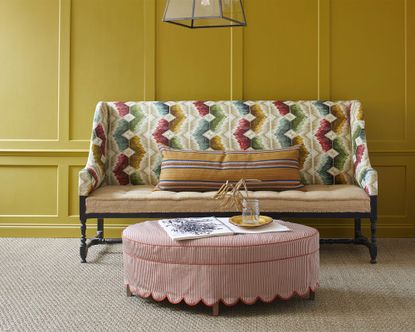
(357, 228)
(100, 228)
(373, 249)
(215, 309)
(129, 294)
(312, 295)
(83, 250)
(358, 237)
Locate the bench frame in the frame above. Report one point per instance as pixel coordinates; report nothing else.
(359, 238)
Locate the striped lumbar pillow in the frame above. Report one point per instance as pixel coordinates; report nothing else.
(190, 170)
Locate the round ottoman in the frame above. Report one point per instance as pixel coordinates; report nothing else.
(223, 269)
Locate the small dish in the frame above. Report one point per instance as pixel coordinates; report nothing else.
(237, 220)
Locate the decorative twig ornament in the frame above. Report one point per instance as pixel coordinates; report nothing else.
(231, 196)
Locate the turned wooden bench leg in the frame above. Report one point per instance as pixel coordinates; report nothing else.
(83, 250)
(357, 228)
(215, 309)
(129, 294)
(373, 249)
(100, 228)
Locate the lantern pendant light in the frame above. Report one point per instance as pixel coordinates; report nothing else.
(196, 14)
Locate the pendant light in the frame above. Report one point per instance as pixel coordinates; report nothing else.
(196, 14)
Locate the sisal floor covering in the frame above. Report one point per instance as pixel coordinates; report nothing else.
(43, 287)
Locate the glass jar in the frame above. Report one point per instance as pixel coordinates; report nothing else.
(250, 211)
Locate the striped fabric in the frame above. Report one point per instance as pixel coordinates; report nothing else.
(227, 268)
(191, 170)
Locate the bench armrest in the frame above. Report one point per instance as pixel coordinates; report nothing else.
(365, 176)
(93, 175)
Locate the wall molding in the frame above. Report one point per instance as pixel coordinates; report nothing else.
(323, 50)
(392, 152)
(84, 152)
(236, 63)
(150, 12)
(63, 80)
(64, 69)
(44, 152)
(404, 142)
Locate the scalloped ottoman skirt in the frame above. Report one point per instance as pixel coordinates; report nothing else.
(223, 269)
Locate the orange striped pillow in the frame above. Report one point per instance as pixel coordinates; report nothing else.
(190, 170)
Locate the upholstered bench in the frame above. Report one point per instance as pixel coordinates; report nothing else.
(223, 269)
(124, 162)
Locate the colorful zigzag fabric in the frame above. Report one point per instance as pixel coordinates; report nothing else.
(125, 137)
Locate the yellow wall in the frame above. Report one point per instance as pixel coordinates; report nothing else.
(58, 58)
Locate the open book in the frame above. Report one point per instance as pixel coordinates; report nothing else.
(196, 228)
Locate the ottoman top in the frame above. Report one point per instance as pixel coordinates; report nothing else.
(148, 241)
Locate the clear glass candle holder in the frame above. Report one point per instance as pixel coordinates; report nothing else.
(250, 211)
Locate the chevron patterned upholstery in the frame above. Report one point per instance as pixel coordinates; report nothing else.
(125, 137)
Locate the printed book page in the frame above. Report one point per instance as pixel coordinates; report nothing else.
(195, 228)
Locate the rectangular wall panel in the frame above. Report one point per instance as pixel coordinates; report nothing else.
(73, 204)
(191, 64)
(368, 62)
(392, 201)
(28, 190)
(29, 69)
(410, 72)
(107, 57)
(280, 49)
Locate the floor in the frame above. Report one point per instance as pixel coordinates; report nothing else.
(43, 287)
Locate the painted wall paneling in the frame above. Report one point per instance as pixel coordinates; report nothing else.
(59, 57)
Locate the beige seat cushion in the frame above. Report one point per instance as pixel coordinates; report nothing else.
(143, 199)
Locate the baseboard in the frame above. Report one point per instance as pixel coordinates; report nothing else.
(327, 230)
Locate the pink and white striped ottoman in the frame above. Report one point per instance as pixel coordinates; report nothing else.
(223, 269)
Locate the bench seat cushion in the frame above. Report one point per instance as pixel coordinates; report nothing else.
(144, 199)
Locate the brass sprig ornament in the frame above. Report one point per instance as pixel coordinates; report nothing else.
(231, 196)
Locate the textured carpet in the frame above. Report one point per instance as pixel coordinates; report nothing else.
(43, 287)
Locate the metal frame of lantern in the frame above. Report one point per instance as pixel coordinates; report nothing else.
(194, 18)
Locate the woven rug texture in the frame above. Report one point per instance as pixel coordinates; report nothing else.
(43, 287)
